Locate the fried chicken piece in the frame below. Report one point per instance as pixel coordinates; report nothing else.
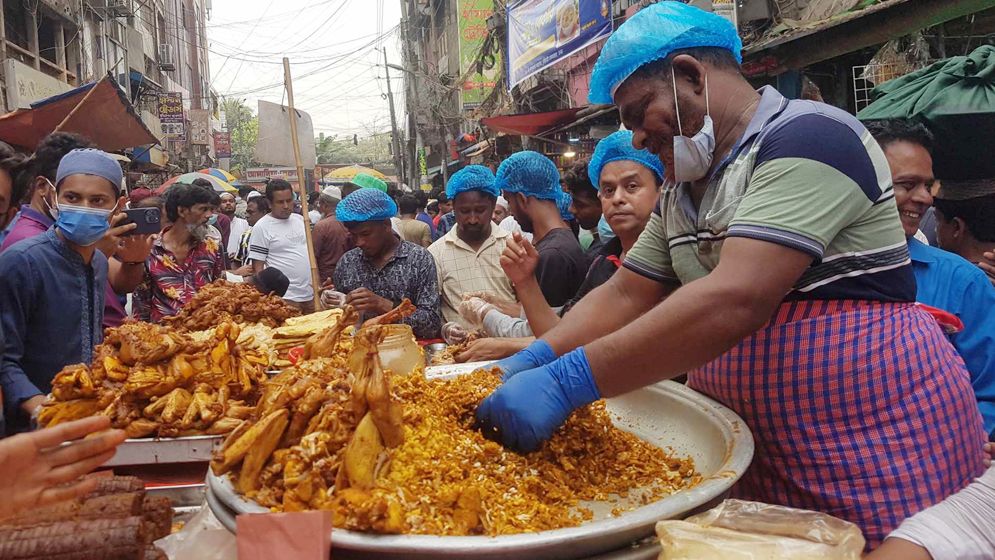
(324, 344)
(148, 343)
(74, 382)
(403, 310)
(55, 413)
(238, 445)
(148, 382)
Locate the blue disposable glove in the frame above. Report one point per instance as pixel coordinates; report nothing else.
(539, 353)
(528, 408)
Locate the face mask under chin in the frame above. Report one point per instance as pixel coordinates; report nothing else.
(693, 155)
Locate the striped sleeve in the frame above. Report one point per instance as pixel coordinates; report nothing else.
(259, 242)
(650, 256)
(813, 177)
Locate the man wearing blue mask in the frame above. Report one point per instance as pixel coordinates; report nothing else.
(776, 273)
(52, 285)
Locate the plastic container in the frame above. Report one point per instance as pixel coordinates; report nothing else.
(400, 352)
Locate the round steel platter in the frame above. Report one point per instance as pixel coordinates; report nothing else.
(668, 415)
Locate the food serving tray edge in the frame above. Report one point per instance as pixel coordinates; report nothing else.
(668, 415)
(157, 451)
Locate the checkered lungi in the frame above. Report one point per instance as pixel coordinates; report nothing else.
(861, 410)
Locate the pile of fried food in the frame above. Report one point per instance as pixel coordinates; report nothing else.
(155, 380)
(116, 521)
(224, 301)
(400, 454)
(296, 331)
(448, 356)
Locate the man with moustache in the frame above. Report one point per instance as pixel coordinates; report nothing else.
(468, 257)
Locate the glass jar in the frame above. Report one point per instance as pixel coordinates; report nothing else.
(399, 352)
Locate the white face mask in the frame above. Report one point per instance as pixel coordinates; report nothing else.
(693, 156)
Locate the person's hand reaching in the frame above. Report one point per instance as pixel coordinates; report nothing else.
(474, 309)
(47, 466)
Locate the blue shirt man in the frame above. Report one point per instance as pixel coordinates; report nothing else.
(948, 282)
(52, 286)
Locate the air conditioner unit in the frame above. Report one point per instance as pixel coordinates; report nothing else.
(119, 8)
(166, 61)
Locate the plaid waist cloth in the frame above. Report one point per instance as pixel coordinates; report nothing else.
(860, 410)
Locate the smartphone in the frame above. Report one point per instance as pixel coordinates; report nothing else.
(149, 220)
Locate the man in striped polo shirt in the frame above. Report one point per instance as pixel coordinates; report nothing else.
(775, 271)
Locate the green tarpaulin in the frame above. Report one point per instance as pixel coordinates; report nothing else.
(955, 98)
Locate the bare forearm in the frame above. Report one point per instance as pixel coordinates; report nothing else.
(605, 310)
(695, 325)
(258, 266)
(124, 278)
(899, 549)
(541, 316)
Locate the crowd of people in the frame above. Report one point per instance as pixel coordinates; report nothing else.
(794, 263)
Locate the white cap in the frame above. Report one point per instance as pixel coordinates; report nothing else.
(502, 202)
(332, 192)
(253, 194)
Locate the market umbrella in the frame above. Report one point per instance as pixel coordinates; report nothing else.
(955, 98)
(219, 185)
(220, 174)
(353, 170)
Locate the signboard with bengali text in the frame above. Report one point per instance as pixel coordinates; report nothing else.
(171, 113)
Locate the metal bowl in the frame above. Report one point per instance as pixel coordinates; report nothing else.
(668, 415)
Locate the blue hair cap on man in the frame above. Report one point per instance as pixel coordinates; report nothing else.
(472, 178)
(653, 34)
(618, 147)
(531, 174)
(366, 205)
(90, 161)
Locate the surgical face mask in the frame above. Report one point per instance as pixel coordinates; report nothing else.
(212, 220)
(81, 225)
(693, 156)
(53, 210)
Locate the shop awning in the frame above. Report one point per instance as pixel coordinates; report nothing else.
(531, 124)
(792, 45)
(99, 111)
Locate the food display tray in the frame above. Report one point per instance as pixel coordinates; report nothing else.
(668, 415)
(156, 451)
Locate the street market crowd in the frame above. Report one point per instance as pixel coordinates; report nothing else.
(803, 268)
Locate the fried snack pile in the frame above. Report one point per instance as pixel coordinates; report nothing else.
(224, 301)
(390, 454)
(298, 331)
(117, 520)
(154, 380)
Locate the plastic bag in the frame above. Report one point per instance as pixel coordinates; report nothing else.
(202, 538)
(740, 530)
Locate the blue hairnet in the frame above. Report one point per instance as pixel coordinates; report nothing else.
(652, 34)
(605, 231)
(563, 204)
(366, 205)
(531, 174)
(617, 147)
(472, 178)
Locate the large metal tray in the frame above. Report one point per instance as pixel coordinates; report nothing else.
(156, 451)
(667, 414)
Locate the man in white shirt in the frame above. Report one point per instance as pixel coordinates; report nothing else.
(238, 225)
(278, 240)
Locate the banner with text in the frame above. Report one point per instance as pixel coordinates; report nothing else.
(222, 144)
(543, 32)
(477, 86)
(171, 113)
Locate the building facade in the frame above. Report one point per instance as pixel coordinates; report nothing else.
(150, 47)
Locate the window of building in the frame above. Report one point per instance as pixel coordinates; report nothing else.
(15, 23)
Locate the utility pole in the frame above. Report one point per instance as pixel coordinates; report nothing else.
(411, 67)
(395, 141)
